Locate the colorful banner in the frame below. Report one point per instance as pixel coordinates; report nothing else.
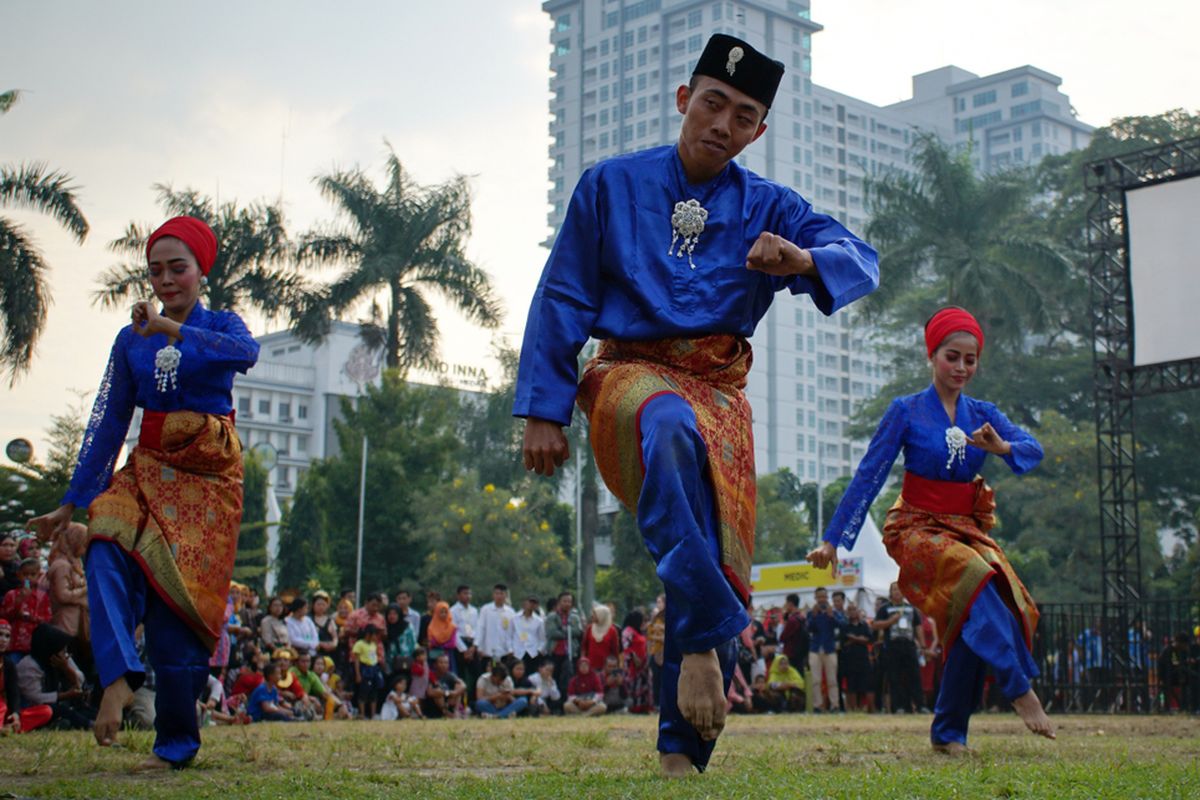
(798, 575)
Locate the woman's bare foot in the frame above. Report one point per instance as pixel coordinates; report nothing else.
(952, 749)
(701, 693)
(152, 764)
(675, 765)
(112, 706)
(1030, 710)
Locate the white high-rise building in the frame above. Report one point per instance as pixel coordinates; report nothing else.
(616, 65)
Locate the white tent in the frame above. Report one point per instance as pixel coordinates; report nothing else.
(879, 570)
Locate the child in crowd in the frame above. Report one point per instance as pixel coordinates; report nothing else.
(265, 704)
(25, 608)
(400, 704)
(368, 679)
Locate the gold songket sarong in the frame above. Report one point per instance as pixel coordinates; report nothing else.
(709, 373)
(176, 508)
(946, 559)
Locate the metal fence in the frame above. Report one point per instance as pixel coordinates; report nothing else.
(1092, 663)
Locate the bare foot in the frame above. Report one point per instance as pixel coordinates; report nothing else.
(701, 693)
(675, 765)
(952, 749)
(108, 719)
(1029, 708)
(152, 764)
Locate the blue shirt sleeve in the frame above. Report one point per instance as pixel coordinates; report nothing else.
(872, 472)
(848, 267)
(106, 428)
(227, 343)
(1026, 451)
(564, 309)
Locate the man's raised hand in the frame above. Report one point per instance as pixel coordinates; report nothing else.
(545, 446)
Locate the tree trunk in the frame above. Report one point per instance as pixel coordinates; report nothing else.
(393, 326)
(589, 523)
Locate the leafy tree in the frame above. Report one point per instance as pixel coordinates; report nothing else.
(781, 531)
(405, 240)
(252, 251)
(250, 564)
(631, 580)
(24, 274)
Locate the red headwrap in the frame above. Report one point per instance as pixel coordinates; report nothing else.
(193, 232)
(947, 321)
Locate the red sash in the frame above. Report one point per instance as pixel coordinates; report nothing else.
(938, 497)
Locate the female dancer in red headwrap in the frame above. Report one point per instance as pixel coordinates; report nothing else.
(937, 530)
(163, 530)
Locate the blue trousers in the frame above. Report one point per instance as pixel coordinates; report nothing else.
(518, 705)
(120, 599)
(991, 637)
(677, 517)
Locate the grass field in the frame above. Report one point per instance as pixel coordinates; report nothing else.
(758, 757)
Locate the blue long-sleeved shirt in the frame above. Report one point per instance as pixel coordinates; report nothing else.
(213, 346)
(917, 425)
(610, 275)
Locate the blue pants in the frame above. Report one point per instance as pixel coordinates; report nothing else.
(512, 709)
(992, 637)
(120, 599)
(677, 517)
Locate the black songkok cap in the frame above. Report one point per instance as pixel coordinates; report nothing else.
(736, 63)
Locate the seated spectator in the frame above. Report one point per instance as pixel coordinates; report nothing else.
(25, 608)
(494, 696)
(264, 704)
(301, 630)
(399, 703)
(614, 685)
(762, 698)
(140, 713)
(249, 677)
(548, 698)
(785, 681)
(739, 698)
(48, 676)
(523, 687)
(446, 692)
(320, 681)
(13, 718)
(272, 630)
(291, 690)
(585, 691)
(368, 677)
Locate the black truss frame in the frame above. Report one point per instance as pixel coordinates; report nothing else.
(1117, 381)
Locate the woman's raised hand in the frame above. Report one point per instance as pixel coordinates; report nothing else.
(48, 527)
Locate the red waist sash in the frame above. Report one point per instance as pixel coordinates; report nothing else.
(938, 497)
(150, 436)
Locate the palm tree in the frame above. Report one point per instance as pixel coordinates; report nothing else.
(407, 240)
(252, 244)
(24, 290)
(949, 236)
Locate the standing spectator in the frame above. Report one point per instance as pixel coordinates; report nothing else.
(564, 630)
(842, 616)
(529, 635)
(1091, 645)
(442, 634)
(823, 629)
(494, 696)
(902, 640)
(432, 598)
(404, 600)
(10, 564)
(25, 608)
(1173, 673)
(252, 614)
(466, 620)
(323, 621)
(601, 639)
(637, 663)
(794, 636)
(930, 661)
(419, 682)
(49, 676)
(273, 629)
(66, 585)
(368, 677)
(854, 660)
(400, 644)
(14, 718)
(495, 627)
(656, 634)
(446, 692)
(370, 614)
(548, 698)
(585, 690)
(301, 630)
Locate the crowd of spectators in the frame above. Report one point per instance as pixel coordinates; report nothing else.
(313, 657)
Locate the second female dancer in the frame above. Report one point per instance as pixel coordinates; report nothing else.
(937, 530)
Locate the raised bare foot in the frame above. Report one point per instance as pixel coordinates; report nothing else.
(1030, 710)
(701, 693)
(952, 749)
(112, 706)
(152, 764)
(675, 765)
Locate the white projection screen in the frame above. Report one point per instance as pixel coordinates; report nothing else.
(1164, 270)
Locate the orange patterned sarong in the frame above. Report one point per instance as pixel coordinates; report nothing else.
(177, 509)
(709, 373)
(946, 560)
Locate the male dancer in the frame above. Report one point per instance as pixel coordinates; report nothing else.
(670, 256)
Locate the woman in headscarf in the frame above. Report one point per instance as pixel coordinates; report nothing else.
(585, 691)
(164, 528)
(937, 531)
(66, 584)
(601, 639)
(786, 682)
(638, 697)
(9, 563)
(401, 641)
(442, 633)
(49, 676)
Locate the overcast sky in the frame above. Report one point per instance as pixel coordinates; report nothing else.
(250, 100)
